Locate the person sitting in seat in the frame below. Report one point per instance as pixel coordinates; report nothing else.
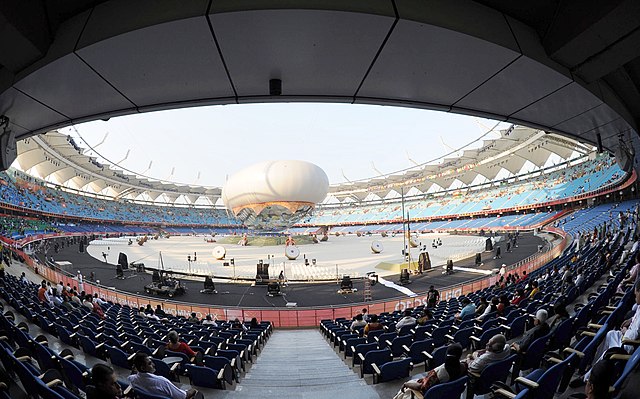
(193, 319)
(518, 297)
(450, 370)
(468, 308)
(236, 324)
(496, 350)
(425, 316)
(603, 375)
(482, 307)
(104, 383)
(159, 312)
(155, 384)
(358, 322)
(208, 321)
(373, 324)
(630, 329)
(407, 320)
(176, 345)
(540, 329)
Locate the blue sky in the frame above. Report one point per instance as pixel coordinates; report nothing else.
(343, 139)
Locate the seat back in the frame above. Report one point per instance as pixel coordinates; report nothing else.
(463, 337)
(498, 371)
(416, 349)
(379, 357)
(395, 369)
(550, 380)
(451, 389)
(439, 355)
(518, 326)
(398, 342)
(535, 353)
(202, 376)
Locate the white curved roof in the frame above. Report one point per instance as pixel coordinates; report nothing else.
(275, 181)
(54, 158)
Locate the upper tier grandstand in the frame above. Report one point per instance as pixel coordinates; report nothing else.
(531, 191)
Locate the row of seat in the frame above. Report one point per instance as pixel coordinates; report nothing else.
(124, 332)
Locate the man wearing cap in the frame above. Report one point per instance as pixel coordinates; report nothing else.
(540, 329)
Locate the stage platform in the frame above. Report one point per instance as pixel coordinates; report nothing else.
(304, 294)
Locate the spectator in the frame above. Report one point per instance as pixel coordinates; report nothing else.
(254, 323)
(155, 384)
(104, 383)
(176, 345)
(87, 302)
(358, 322)
(407, 320)
(503, 304)
(534, 289)
(603, 375)
(148, 310)
(95, 308)
(55, 298)
(633, 275)
(425, 316)
(483, 306)
(67, 304)
(579, 277)
(630, 329)
(76, 299)
(373, 324)
(561, 314)
(493, 307)
(519, 297)
(208, 321)
(540, 329)
(365, 316)
(159, 312)
(496, 350)
(43, 294)
(192, 319)
(469, 308)
(98, 300)
(236, 324)
(451, 370)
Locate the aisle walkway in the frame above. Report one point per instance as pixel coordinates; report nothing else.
(300, 364)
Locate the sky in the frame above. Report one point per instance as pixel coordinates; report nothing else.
(205, 145)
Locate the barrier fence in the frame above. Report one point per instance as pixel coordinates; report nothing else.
(288, 317)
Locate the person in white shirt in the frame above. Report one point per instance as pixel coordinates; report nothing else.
(88, 302)
(358, 322)
(630, 329)
(60, 288)
(155, 384)
(407, 320)
(579, 277)
(208, 321)
(80, 284)
(99, 301)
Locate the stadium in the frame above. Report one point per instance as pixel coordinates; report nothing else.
(506, 267)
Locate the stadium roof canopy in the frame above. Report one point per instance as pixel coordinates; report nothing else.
(564, 66)
(56, 158)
